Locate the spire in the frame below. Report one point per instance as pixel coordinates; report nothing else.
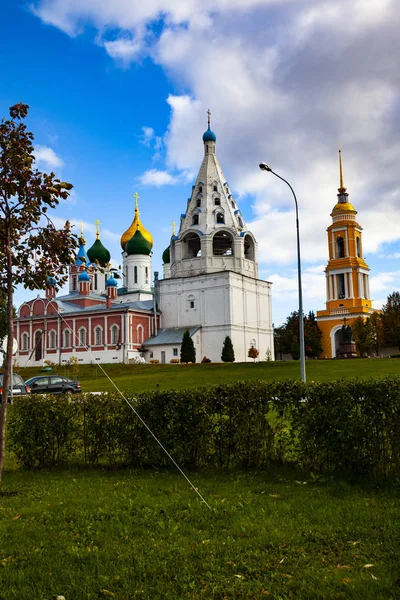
(341, 189)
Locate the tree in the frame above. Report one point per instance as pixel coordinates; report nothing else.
(228, 354)
(287, 336)
(31, 248)
(188, 351)
(253, 353)
(390, 316)
(3, 315)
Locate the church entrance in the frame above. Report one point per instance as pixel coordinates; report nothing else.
(163, 357)
(38, 346)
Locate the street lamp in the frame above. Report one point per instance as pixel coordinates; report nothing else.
(264, 167)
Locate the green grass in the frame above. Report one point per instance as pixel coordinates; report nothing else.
(129, 534)
(140, 378)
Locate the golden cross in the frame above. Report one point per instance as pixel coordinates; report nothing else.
(97, 223)
(136, 196)
(81, 224)
(209, 117)
(173, 227)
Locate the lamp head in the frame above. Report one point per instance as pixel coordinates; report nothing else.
(264, 167)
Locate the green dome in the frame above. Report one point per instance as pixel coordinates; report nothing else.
(99, 252)
(138, 245)
(166, 256)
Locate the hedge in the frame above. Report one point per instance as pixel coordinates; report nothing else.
(348, 425)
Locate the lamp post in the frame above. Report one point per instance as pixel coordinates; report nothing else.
(265, 167)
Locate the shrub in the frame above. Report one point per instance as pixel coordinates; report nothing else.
(188, 351)
(205, 359)
(228, 354)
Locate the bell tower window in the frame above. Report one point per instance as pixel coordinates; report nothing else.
(339, 247)
(220, 218)
(195, 220)
(358, 247)
(341, 286)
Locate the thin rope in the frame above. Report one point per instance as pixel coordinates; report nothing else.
(131, 407)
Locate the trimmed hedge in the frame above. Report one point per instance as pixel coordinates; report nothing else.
(351, 425)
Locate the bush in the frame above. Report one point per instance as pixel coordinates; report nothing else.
(350, 425)
(205, 359)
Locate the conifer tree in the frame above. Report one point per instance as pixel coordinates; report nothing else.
(188, 351)
(228, 354)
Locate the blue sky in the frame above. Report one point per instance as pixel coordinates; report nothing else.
(118, 93)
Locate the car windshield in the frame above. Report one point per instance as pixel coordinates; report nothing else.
(17, 379)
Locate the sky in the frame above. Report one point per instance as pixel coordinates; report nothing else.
(118, 94)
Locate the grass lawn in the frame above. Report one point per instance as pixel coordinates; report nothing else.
(140, 378)
(129, 534)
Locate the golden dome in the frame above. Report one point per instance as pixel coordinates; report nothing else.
(343, 206)
(136, 225)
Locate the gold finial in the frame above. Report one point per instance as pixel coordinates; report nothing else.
(97, 223)
(341, 189)
(136, 196)
(81, 224)
(209, 117)
(173, 227)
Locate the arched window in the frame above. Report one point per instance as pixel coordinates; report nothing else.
(341, 286)
(233, 204)
(249, 249)
(200, 189)
(25, 341)
(52, 339)
(98, 336)
(82, 336)
(215, 189)
(191, 245)
(198, 202)
(74, 284)
(140, 334)
(67, 338)
(217, 201)
(114, 334)
(240, 221)
(95, 281)
(195, 220)
(222, 244)
(220, 218)
(135, 278)
(358, 245)
(191, 301)
(146, 274)
(339, 247)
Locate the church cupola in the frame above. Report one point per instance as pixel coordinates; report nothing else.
(84, 281)
(98, 253)
(137, 255)
(166, 258)
(81, 262)
(111, 286)
(135, 226)
(212, 235)
(51, 287)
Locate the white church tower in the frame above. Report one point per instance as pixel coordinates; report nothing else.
(211, 271)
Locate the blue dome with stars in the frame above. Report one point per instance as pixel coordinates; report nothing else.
(209, 136)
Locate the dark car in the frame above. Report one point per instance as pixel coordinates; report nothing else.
(20, 387)
(53, 384)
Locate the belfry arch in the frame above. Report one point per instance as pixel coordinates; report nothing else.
(191, 245)
(223, 244)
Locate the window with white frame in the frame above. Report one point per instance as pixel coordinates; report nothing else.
(114, 335)
(98, 336)
(140, 334)
(135, 274)
(52, 339)
(175, 351)
(146, 273)
(82, 336)
(67, 338)
(25, 341)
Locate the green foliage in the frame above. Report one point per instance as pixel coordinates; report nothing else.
(368, 334)
(31, 247)
(188, 351)
(228, 354)
(390, 315)
(286, 337)
(344, 425)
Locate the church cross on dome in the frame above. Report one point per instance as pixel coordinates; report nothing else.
(209, 117)
(97, 223)
(173, 227)
(136, 196)
(341, 189)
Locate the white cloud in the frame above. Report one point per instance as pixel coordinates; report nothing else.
(123, 49)
(46, 158)
(157, 178)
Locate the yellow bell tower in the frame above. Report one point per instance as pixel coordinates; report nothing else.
(347, 273)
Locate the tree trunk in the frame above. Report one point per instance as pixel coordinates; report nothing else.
(9, 357)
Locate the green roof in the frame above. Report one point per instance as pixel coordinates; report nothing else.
(138, 245)
(99, 252)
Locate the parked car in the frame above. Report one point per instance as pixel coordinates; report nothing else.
(20, 387)
(53, 384)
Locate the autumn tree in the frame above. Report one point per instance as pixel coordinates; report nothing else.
(228, 354)
(188, 351)
(253, 353)
(286, 337)
(31, 247)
